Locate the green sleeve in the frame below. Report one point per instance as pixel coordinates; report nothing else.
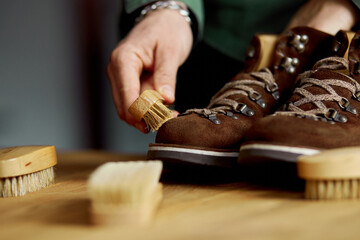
(357, 3)
(195, 6)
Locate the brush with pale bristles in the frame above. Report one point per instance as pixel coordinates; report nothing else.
(149, 106)
(331, 174)
(124, 193)
(26, 169)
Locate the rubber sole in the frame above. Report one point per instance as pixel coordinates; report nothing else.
(256, 152)
(189, 155)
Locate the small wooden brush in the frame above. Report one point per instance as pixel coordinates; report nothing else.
(125, 193)
(331, 174)
(26, 169)
(149, 106)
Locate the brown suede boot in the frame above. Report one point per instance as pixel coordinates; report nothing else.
(322, 113)
(212, 136)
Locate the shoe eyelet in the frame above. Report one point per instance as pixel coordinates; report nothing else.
(245, 110)
(333, 115)
(310, 117)
(214, 119)
(289, 64)
(273, 90)
(230, 114)
(256, 97)
(344, 104)
(356, 95)
(299, 42)
(336, 45)
(250, 52)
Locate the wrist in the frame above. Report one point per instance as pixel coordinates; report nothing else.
(165, 4)
(326, 15)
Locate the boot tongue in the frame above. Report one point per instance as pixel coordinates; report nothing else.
(260, 53)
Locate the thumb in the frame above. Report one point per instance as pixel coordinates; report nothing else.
(165, 76)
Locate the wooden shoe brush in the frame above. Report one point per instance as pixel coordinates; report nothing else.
(149, 106)
(125, 193)
(331, 174)
(26, 169)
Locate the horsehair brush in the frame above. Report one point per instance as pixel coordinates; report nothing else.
(149, 106)
(125, 193)
(331, 174)
(26, 169)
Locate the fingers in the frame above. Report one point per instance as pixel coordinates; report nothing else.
(148, 58)
(124, 72)
(165, 71)
(175, 113)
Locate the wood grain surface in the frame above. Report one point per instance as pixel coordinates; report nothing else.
(199, 207)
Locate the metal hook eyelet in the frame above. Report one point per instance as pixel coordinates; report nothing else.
(245, 110)
(250, 52)
(336, 46)
(214, 119)
(356, 95)
(332, 114)
(345, 105)
(256, 97)
(230, 114)
(299, 42)
(289, 64)
(273, 89)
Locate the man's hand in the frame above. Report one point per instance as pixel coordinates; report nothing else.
(326, 15)
(148, 58)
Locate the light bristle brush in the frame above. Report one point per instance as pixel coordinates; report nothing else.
(26, 169)
(331, 174)
(125, 193)
(149, 106)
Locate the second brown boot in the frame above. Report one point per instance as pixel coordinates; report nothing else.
(212, 136)
(322, 113)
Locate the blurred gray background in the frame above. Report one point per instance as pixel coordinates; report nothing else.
(54, 90)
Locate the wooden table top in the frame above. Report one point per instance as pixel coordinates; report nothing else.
(228, 209)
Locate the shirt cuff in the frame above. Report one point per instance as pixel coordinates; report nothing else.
(133, 7)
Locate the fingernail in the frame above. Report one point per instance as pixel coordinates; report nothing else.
(167, 92)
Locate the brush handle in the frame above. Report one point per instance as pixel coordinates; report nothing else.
(341, 163)
(21, 160)
(144, 102)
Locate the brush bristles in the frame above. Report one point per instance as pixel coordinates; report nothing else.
(125, 192)
(332, 189)
(20, 185)
(124, 182)
(157, 115)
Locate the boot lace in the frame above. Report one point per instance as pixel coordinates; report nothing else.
(321, 111)
(221, 103)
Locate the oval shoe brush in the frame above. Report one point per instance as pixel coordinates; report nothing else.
(26, 169)
(331, 174)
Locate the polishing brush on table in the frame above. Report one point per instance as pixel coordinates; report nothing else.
(124, 193)
(26, 169)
